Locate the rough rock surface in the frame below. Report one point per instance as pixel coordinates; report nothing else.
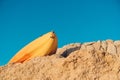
(88, 61)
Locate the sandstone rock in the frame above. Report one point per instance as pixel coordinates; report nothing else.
(97, 45)
(110, 47)
(104, 45)
(117, 44)
(72, 62)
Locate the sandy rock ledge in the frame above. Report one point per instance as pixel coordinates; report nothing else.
(88, 61)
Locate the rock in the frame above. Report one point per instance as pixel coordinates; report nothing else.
(110, 47)
(104, 45)
(97, 45)
(117, 44)
(91, 61)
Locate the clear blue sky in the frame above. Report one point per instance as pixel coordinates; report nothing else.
(21, 21)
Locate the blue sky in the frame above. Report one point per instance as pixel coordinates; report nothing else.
(21, 21)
